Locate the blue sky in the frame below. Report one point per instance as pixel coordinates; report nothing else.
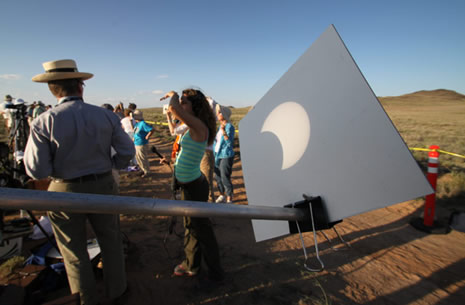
(233, 50)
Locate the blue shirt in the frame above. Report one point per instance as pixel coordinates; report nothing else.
(224, 148)
(141, 129)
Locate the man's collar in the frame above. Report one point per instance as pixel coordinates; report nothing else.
(68, 98)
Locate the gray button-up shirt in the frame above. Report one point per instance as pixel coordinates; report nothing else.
(74, 139)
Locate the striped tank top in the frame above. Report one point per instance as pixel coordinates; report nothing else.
(187, 166)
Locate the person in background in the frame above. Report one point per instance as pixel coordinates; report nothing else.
(108, 107)
(5, 111)
(224, 154)
(177, 129)
(71, 144)
(119, 110)
(114, 170)
(199, 239)
(207, 166)
(30, 112)
(38, 109)
(128, 124)
(142, 133)
(132, 107)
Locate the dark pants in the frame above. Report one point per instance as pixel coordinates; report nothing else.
(199, 238)
(223, 173)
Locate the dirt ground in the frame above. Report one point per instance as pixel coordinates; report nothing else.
(388, 261)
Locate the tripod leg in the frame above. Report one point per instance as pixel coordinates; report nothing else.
(36, 222)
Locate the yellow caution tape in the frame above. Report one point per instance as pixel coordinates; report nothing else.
(420, 149)
(157, 123)
(452, 154)
(166, 124)
(438, 150)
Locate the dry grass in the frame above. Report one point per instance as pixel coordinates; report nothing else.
(434, 118)
(431, 118)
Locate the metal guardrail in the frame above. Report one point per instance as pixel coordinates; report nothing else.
(13, 198)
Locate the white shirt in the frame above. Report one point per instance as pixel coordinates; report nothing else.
(6, 112)
(128, 124)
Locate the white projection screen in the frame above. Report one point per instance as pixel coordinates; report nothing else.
(321, 131)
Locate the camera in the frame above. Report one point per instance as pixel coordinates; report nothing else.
(17, 106)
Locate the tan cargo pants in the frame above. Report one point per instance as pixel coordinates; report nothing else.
(70, 233)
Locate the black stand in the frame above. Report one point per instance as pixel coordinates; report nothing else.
(436, 228)
(317, 221)
(320, 217)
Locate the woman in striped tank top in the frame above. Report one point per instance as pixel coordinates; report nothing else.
(199, 239)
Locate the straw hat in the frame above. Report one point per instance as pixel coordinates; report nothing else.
(60, 69)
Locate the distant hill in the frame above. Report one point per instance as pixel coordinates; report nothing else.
(426, 96)
(419, 97)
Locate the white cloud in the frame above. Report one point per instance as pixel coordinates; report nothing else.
(10, 76)
(162, 76)
(111, 100)
(157, 92)
(142, 92)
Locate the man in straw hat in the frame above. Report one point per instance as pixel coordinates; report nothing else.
(71, 143)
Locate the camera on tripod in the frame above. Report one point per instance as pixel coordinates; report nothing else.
(16, 106)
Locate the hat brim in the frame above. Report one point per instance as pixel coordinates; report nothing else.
(48, 77)
(226, 112)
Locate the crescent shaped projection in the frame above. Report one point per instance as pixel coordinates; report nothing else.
(291, 125)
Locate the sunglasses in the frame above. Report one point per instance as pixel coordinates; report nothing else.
(190, 92)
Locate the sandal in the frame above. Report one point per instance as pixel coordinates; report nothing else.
(180, 271)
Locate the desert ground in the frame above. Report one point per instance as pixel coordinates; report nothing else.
(387, 261)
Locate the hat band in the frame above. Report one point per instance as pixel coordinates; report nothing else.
(62, 70)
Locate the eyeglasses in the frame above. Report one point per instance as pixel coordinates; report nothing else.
(82, 83)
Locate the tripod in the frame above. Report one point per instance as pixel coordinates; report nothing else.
(18, 138)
